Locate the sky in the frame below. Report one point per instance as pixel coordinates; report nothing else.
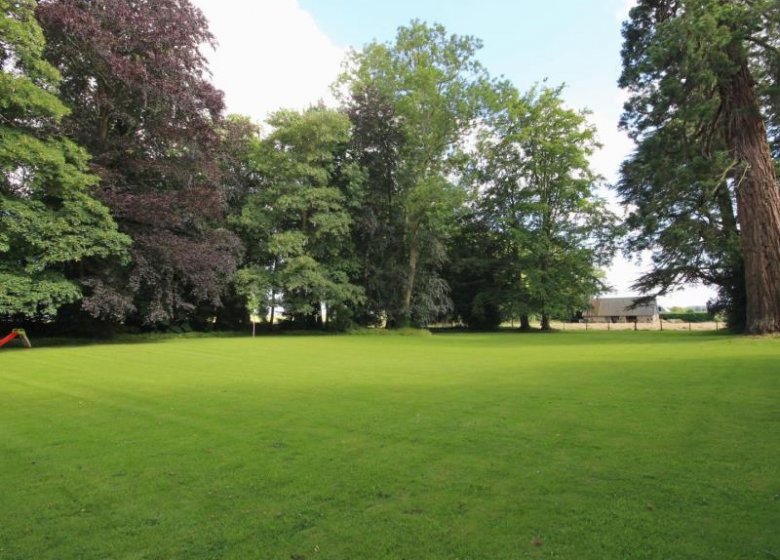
(274, 54)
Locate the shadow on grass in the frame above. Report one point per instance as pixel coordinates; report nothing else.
(594, 336)
(156, 338)
(146, 338)
(544, 337)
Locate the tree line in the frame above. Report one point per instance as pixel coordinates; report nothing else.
(128, 199)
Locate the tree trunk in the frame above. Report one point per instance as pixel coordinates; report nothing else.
(406, 310)
(546, 322)
(758, 200)
(732, 282)
(525, 323)
(273, 310)
(726, 207)
(103, 118)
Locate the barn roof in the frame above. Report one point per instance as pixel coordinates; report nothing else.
(621, 307)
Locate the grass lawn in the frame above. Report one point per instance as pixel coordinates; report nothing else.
(503, 446)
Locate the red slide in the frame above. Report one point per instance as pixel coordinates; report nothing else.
(14, 333)
(7, 339)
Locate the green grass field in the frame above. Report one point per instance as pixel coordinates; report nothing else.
(457, 446)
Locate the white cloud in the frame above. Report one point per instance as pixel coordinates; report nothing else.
(271, 55)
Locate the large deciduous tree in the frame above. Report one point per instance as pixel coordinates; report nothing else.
(378, 226)
(538, 193)
(426, 87)
(476, 271)
(144, 107)
(296, 222)
(703, 82)
(49, 219)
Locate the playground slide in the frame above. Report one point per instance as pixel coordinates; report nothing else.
(16, 333)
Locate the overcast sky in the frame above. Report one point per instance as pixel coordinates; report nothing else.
(286, 53)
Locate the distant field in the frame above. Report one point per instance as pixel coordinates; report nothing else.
(599, 445)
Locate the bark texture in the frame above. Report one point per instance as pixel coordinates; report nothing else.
(758, 201)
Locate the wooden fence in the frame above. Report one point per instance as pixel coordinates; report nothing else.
(654, 326)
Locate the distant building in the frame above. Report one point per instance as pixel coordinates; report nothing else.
(621, 310)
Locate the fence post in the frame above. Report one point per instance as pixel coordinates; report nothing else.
(661, 322)
(635, 325)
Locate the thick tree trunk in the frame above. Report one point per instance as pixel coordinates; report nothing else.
(758, 201)
(726, 206)
(525, 323)
(546, 322)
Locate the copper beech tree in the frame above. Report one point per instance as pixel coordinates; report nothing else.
(143, 105)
